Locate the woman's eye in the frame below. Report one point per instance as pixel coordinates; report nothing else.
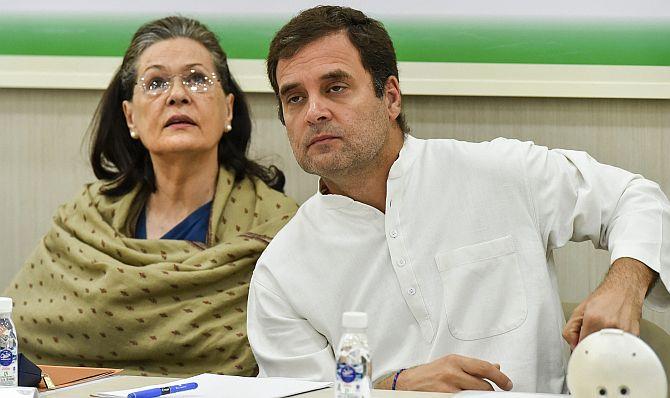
(157, 83)
(197, 79)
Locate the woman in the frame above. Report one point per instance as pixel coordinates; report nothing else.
(148, 268)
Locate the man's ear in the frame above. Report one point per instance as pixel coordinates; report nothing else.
(393, 97)
(128, 112)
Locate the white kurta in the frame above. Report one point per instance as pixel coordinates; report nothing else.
(461, 262)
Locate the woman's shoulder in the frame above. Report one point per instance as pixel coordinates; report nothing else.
(276, 199)
(88, 193)
(90, 198)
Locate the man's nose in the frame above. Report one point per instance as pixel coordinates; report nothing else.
(317, 110)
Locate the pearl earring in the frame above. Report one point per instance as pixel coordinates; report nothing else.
(134, 135)
(228, 127)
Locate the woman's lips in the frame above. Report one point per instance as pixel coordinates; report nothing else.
(179, 121)
(181, 125)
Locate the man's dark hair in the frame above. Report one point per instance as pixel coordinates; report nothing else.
(366, 34)
(125, 162)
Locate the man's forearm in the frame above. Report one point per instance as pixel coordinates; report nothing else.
(616, 303)
(629, 273)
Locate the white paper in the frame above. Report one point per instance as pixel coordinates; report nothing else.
(505, 394)
(18, 392)
(211, 385)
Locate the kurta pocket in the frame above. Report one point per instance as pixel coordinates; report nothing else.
(484, 294)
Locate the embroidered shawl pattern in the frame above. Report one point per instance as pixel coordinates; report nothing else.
(91, 296)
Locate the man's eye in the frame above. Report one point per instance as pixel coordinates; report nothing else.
(336, 89)
(294, 99)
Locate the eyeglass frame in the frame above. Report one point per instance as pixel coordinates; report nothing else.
(170, 79)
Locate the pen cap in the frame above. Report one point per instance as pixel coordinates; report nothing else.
(5, 305)
(355, 320)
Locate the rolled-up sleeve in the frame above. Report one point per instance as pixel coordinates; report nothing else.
(283, 343)
(577, 199)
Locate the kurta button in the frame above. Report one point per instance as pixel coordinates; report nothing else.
(411, 291)
(394, 234)
(401, 262)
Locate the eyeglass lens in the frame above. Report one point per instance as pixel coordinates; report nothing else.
(197, 80)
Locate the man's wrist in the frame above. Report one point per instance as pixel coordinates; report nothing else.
(384, 381)
(394, 384)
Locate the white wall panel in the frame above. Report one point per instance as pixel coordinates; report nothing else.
(43, 162)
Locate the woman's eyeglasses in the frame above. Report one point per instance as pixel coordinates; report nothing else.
(195, 80)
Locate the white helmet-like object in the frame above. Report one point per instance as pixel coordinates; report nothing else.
(612, 363)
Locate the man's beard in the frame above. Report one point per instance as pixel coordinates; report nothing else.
(355, 151)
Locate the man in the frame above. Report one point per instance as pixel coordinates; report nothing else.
(446, 245)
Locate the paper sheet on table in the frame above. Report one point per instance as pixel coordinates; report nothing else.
(18, 392)
(505, 394)
(211, 385)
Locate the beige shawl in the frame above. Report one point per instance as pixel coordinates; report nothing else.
(91, 296)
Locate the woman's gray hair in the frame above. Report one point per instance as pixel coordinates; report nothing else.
(124, 162)
(171, 28)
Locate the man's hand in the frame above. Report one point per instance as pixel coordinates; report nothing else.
(451, 373)
(616, 303)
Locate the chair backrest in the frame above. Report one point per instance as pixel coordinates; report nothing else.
(652, 334)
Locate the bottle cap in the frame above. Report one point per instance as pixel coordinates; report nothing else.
(5, 305)
(355, 320)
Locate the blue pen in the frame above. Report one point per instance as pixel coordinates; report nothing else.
(157, 392)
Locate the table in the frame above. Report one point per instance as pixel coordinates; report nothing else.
(125, 382)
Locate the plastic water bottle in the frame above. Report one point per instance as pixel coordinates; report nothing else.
(354, 370)
(9, 348)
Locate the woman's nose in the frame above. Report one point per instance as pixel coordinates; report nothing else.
(178, 92)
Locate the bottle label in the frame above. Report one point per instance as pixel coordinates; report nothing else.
(346, 373)
(352, 381)
(6, 357)
(350, 373)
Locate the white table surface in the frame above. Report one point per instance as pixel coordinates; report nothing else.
(125, 382)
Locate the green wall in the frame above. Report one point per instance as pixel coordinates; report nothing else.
(448, 40)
